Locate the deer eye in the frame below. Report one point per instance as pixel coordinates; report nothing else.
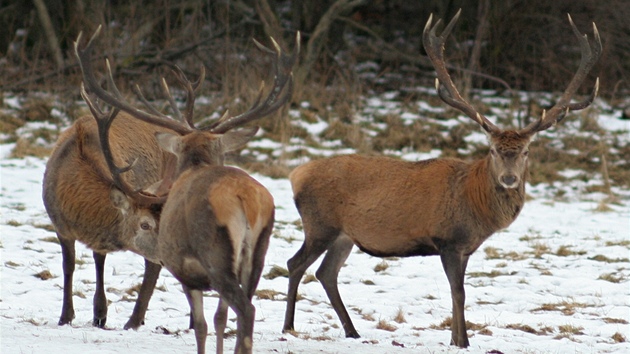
(493, 151)
(525, 153)
(145, 226)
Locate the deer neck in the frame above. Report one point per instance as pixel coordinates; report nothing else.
(495, 206)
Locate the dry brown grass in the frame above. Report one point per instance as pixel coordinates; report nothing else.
(267, 294)
(44, 275)
(381, 267)
(400, 316)
(566, 307)
(386, 326)
(276, 271)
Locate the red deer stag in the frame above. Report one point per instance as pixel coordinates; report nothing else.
(86, 206)
(215, 226)
(445, 207)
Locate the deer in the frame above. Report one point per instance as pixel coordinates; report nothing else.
(84, 204)
(215, 224)
(442, 207)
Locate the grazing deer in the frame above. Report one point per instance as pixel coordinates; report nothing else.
(445, 207)
(215, 225)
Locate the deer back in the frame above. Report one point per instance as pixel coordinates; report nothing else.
(214, 215)
(77, 185)
(393, 207)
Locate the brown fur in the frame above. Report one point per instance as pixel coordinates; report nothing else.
(76, 192)
(214, 231)
(388, 207)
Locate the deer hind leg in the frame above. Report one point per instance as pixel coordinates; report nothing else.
(328, 272)
(220, 320)
(100, 300)
(68, 254)
(232, 293)
(454, 264)
(151, 274)
(195, 300)
(315, 243)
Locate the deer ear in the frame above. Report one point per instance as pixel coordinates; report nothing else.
(169, 142)
(120, 200)
(235, 139)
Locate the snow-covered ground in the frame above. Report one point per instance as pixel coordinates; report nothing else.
(556, 281)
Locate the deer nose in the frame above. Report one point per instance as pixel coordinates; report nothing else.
(508, 180)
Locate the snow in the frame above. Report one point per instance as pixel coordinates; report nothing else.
(504, 293)
(555, 281)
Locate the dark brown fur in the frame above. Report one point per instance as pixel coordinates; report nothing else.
(214, 231)
(77, 192)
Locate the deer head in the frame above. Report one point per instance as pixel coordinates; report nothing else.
(509, 148)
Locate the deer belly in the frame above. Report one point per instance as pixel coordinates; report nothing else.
(390, 243)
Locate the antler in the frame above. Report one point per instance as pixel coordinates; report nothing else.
(104, 122)
(434, 46)
(278, 95)
(115, 98)
(563, 106)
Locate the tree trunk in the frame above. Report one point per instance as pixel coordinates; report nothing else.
(51, 36)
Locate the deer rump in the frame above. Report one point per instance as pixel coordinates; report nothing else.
(398, 209)
(224, 222)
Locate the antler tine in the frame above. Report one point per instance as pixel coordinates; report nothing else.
(104, 122)
(171, 101)
(434, 46)
(278, 96)
(590, 55)
(191, 88)
(115, 99)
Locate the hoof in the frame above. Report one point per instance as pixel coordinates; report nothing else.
(99, 322)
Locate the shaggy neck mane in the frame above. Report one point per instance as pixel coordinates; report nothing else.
(493, 204)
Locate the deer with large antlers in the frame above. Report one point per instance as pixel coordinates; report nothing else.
(215, 225)
(444, 207)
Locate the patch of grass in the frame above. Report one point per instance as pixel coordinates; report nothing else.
(44, 275)
(386, 326)
(79, 294)
(567, 308)
(522, 327)
(134, 289)
(14, 223)
(47, 227)
(618, 338)
(51, 239)
(310, 278)
(492, 253)
(368, 317)
(29, 248)
(614, 320)
(276, 271)
(602, 258)
(571, 329)
(612, 277)
(24, 147)
(492, 274)
(381, 267)
(367, 282)
(540, 249)
(565, 251)
(11, 264)
(625, 243)
(267, 294)
(400, 316)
